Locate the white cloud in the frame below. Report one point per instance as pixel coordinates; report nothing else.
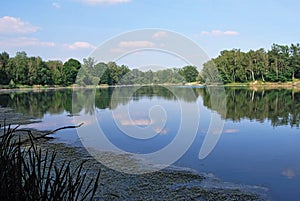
(99, 2)
(25, 42)
(219, 33)
(81, 45)
(135, 44)
(231, 33)
(12, 25)
(125, 46)
(56, 5)
(160, 34)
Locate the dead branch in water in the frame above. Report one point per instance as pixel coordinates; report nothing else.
(44, 136)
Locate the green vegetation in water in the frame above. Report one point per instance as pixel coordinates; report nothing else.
(28, 173)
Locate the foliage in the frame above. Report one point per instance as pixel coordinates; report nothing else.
(24, 70)
(113, 74)
(27, 173)
(12, 84)
(280, 64)
(70, 70)
(190, 73)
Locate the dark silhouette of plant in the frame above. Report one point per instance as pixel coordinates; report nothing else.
(30, 173)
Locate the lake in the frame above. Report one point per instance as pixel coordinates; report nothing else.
(254, 134)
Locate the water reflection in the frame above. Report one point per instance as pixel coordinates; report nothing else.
(279, 107)
(260, 139)
(289, 173)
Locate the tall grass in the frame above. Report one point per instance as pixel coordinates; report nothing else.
(28, 173)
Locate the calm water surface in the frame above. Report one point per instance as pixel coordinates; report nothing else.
(259, 145)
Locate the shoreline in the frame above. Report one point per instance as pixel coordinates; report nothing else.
(256, 84)
(167, 184)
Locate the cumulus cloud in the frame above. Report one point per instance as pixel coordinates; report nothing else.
(99, 2)
(56, 5)
(81, 45)
(125, 46)
(12, 25)
(25, 42)
(136, 44)
(160, 34)
(219, 33)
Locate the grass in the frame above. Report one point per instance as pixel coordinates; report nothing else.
(28, 173)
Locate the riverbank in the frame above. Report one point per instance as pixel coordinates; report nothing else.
(252, 85)
(267, 85)
(169, 184)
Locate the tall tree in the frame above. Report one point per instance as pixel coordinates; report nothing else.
(190, 73)
(70, 70)
(295, 60)
(21, 68)
(56, 69)
(4, 75)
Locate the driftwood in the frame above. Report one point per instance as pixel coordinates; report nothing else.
(61, 128)
(44, 136)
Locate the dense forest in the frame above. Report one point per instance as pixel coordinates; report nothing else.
(279, 64)
(24, 70)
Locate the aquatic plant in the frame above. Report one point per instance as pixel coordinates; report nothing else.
(27, 172)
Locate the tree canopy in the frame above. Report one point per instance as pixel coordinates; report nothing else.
(279, 64)
(24, 70)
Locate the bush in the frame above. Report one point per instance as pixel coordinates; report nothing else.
(12, 84)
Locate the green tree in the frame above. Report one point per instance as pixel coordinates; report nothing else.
(70, 70)
(4, 75)
(20, 68)
(279, 69)
(56, 71)
(190, 73)
(295, 60)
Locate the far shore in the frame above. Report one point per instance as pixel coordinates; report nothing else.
(256, 85)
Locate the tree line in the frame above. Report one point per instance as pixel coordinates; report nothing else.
(24, 70)
(279, 64)
(93, 73)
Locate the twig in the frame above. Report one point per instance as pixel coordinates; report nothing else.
(44, 135)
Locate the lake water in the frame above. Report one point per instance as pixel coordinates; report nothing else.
(259, 143)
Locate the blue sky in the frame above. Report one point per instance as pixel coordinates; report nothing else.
(61, 29)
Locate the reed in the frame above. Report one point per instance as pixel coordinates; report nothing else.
(30, 173)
